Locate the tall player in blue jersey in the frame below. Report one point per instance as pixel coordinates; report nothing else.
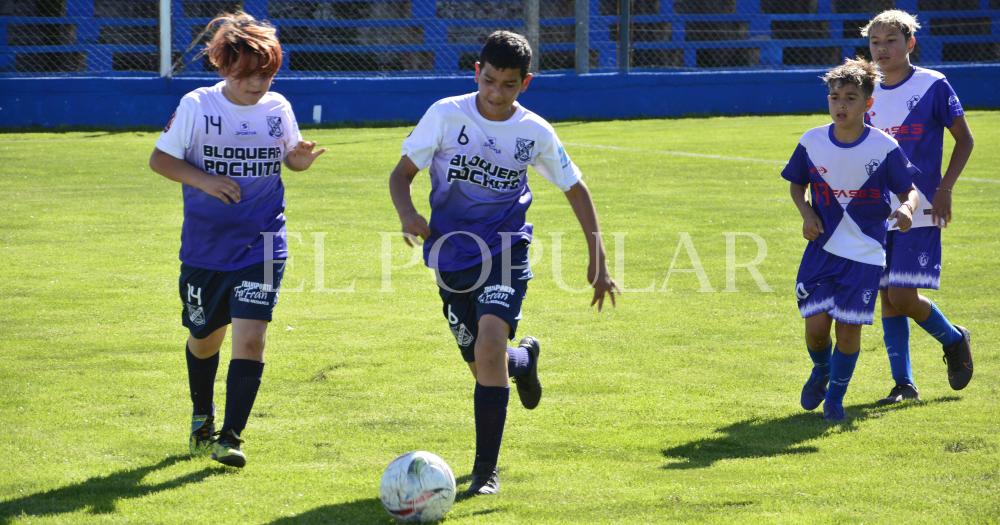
(915, 105)
(850, 170)
(478, 148)
(226, 144)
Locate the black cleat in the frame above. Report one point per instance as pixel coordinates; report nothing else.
(226, 450)
(958, 357)
(529, 388)
(484, 483)
(900, 393)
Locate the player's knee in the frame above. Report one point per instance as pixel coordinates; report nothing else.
(905, 301)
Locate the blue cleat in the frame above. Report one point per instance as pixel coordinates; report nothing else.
(833, 412)
(814, 391)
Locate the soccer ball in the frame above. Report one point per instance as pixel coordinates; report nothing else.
(417, 486)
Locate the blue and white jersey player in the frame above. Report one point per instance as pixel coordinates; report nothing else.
(849, 170)
(478, 148)
(915, 105)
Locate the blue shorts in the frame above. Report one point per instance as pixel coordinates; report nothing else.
(474, 292)
(212, 298)
(843, 288)
(913, 259)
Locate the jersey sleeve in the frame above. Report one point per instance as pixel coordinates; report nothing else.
(176, 137)
(797, 169)
(425, 139)
(554, 164)
(900, 170)
(292, 132)
(947, 106)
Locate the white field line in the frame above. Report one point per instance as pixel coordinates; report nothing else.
(689, 154)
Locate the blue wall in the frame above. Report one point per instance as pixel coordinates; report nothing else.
(143, 102)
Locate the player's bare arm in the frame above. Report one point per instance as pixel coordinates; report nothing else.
(941, 206)
(904, 213)
(812, 226)
(414, 225)
(302, 156)
(597, 269)
(177, 170)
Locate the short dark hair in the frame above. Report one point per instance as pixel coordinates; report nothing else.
(858, 71)
(507, 50)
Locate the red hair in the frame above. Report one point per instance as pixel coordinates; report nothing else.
(242, 46)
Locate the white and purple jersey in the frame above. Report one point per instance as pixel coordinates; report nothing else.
(479, 177)
(915, 112)
(850, 186)
(247, 144)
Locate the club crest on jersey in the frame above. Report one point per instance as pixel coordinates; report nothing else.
(523, 149)
(953, 100)
(871, 166)
(274, 127)
(924, 259)
(491, 143)
(912, 103)
(866, 295)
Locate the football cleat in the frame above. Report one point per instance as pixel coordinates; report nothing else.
(900, 393)
(226, 450)
(529, 388)
(958, 357)
(814, 391)
(833, 412)
(202, 430)
(484, 482)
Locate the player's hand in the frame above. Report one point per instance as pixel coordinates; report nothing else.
(812, 227)
(603, 285)
(221, 187)
(414, 228)
(903, 216)
(941, 207)
(303, 155)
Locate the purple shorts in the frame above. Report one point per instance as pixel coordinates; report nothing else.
(913, 259)
(843, 288)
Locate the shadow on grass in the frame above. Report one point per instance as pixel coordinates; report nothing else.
(364, 511)
(360, 511)
(756, 438)
(99, 494)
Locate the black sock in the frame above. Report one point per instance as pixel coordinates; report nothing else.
(490, 404)
(241, 390)
(201, 380)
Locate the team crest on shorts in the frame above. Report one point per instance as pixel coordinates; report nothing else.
(924, 259)
(274, 127)
(462, 335)
(866, 295)
(196, 314)
(523, 149)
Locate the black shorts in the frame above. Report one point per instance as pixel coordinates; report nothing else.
(485, 289)
(212, 298)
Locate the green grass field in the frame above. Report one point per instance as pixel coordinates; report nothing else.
(679, 405)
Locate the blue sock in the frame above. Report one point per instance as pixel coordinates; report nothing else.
(896, 334)
(940, 328)
(821, 358)
(201, 380)
(518, 361)
(841, 370)
(490, 405)
(241, 391)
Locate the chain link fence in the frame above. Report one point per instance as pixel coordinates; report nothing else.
(442, 37)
